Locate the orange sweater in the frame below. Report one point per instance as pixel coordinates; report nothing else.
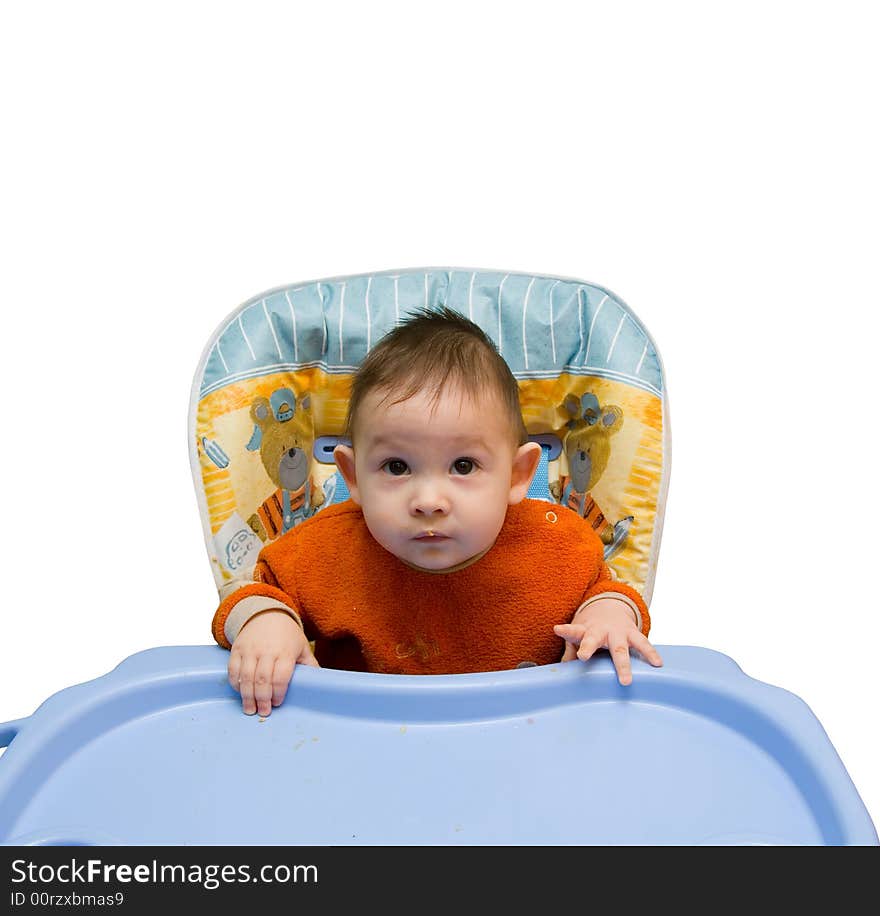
(369, 611)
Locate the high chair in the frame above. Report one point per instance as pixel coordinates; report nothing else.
(159, 752)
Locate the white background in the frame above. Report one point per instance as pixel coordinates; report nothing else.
(713, 164)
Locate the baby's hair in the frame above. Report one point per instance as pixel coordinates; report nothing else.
(429, 349)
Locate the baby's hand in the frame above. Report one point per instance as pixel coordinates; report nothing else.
(606, 624)
(265, 652)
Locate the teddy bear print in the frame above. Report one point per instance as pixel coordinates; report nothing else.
(284, 434)
(587, 446)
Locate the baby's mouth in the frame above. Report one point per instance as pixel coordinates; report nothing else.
(431, 535)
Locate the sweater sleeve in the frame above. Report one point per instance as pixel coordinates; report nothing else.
(604, 584)
(249, 599)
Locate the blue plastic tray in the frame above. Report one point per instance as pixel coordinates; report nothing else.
(159, 752)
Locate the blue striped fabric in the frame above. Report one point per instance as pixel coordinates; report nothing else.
(340, 489)
(542, 326)
(539, 488)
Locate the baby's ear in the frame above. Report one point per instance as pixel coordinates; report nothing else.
(343, 455)
(525, 463)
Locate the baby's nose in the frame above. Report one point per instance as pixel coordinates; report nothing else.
(430, 501)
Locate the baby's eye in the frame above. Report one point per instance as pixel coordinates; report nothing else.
(396, 467)
(463, 465)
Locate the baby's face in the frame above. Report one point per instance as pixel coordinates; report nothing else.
(435, 480)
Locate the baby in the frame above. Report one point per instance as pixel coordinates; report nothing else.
(438, 564)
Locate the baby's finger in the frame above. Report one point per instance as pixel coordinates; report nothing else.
(281, 675)
(263, 684)
(620, 656)
(246, 685)
(645, 649)
(234, 670)
(307, 657)
(589, 644)
(571, 632)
